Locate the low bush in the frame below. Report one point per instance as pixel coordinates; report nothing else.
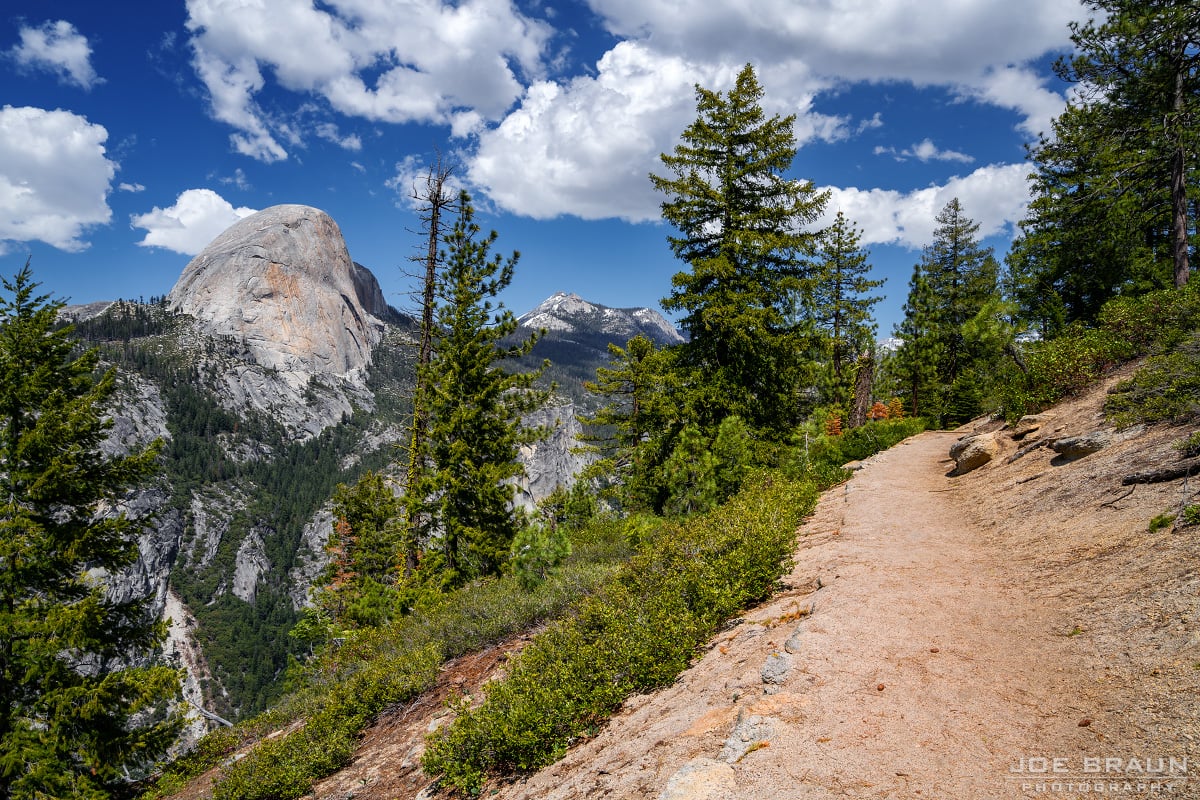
(1167, 387)
(347, 687)
(636, 634)
(1126, 328)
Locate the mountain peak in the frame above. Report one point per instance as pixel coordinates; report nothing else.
(282, 281)
(567, 312)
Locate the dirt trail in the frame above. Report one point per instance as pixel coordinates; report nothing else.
(936, 636)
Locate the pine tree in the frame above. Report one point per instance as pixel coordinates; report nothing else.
(72, 715)
(633, 431)
(358, 588)
(475, 410)
(1138, 64)
(842, 305)
(915, 364)
(742, 234)
(690, 474)
(962, 275)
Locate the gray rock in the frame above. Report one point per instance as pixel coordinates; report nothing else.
(972, 452)
(794, 643)
(1075, 447)
(750, 733)
(281, 281)
(775, 671)
(1027, 425)
(252, 564)
(553, 461)
(700, 779)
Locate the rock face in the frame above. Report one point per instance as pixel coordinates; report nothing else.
(972, 452)
(282, 282)
(554, 461)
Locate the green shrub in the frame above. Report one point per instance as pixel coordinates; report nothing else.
(1161, 521)
(1167, 387)
(1189, 447)
(635, 635)
(1191, 515)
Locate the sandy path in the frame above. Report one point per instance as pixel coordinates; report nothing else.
(926, 668)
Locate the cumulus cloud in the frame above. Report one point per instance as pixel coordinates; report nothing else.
(584, 146)
(59, 48)
(935, 42)
(995, 196)
(1021, 90)
(925, 150)
(420, 61)
(197, 217)
(54, 177)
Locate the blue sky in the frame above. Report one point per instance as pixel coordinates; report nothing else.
(130, 139)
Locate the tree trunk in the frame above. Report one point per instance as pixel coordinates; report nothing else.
(862, 390)
(1179, 200)
(435, 199)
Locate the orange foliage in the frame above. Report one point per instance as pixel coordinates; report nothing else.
(878, 411)
(833, 425)
(895, 409)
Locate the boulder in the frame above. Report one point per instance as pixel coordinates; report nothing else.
(1027, 425)
(1074, 447)
(972, 452)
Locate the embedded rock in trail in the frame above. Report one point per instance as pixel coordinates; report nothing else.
(972, 452)
(281, 281)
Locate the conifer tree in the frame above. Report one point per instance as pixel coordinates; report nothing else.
(72, 715)
(633, 431)
(742, 233)
(915, 364)
(962, 275)
(691, 474)
(842, 305)
(475, 410)
(1138, 64)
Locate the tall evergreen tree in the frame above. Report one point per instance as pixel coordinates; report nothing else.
(475, 409)
(915, 364)
(1139, 61)
(841, 303)
(962, 278)
(633, 431)
(72, 716)
(742, 232)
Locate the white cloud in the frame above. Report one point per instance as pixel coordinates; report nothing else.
(330, 133)
(418, 61)
(586, 147)
(583, 147)
(935, 42)
(995, 196)
(54, 177)
(198, 217)
(925, 151)
(57, 47)
(1021, 90)
(131, 187)
(237, 179)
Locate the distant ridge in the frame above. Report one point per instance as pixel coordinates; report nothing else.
(566, 313)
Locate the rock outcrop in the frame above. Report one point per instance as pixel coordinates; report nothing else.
(972, 452)
(282, 282)
(1075, 447)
